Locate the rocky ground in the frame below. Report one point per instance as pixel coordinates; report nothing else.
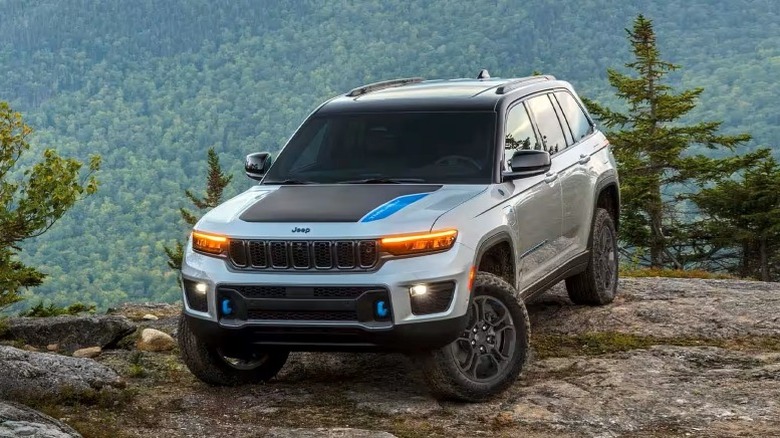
(668, 358)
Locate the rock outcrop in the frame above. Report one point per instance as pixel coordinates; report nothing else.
(45, 376)
(668, 307)
(669, 357)
(69, 332)
(20, 421)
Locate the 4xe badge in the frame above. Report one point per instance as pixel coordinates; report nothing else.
(301, 230)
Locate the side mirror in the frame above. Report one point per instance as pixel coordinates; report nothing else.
(257, 165)
(526, 163)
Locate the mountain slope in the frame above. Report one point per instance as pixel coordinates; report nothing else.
(151, 85)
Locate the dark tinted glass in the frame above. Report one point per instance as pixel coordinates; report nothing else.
(553, 140)
(433, 147)
(578, 121)
(519, 133)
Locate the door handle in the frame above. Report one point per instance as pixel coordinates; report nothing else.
(584, 158)
(550, 177)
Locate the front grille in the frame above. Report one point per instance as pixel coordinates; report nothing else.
(304, 254)
(301, 315)
(338, 292)
(303, 303)
(257, 254)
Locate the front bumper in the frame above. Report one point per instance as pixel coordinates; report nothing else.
(403, 338)
(401, 330)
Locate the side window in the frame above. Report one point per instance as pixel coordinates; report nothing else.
(519, 133)
(562, 119)
(578, 121)
(553, 140)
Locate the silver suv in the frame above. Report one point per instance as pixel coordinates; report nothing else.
(407, 215)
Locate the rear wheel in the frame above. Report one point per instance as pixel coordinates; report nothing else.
(216, 366)
(488, 356)
(597, 285)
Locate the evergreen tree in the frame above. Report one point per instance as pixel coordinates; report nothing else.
(652, 147)
(32, 200)
(216, 182)
(746, 214)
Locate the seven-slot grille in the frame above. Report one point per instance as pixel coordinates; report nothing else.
(304, 254)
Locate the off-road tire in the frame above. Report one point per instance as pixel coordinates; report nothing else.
(208, 365)
(590, 286)
(441, 370)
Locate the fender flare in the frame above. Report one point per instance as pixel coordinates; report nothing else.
(606, 180)
(493, 239)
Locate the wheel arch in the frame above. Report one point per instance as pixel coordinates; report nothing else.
(607, 197)
(495, 254)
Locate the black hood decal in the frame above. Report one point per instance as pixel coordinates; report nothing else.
(327, 203)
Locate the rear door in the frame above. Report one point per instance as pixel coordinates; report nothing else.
(577, 178)
(554, 140)
(536, 201)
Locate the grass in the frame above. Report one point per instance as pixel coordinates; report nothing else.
(594, 344)
(136, 368)
(43, 311)
(639, 272)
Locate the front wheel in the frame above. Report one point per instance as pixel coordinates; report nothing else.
(215, 366)
(488, 356)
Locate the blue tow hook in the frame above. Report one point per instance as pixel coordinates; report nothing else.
(227, 309)
(381, 309)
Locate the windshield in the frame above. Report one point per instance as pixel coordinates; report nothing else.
(442, 148)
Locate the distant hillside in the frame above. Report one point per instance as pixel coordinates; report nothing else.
(151, 85)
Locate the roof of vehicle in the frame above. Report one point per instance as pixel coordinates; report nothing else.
(415, 94)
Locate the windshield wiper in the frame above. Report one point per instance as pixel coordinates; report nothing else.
(383, 181)
(288, 182)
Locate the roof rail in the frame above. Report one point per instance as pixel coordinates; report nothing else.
(517, 83)
(381, 85)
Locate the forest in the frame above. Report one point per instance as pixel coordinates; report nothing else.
(151, 85)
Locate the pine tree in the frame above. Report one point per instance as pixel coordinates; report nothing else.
(746, 214)
(216, 182)
(653, 148)
(32, 200)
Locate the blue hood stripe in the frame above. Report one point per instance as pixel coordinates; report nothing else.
(391, 207)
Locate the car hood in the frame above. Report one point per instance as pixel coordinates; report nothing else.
(335, 210)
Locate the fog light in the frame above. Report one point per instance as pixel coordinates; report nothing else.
(201, 287)
(418, 289)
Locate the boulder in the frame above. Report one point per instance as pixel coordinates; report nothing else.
(70, 332)
(155, 340)
(20, 421)
(36, 376)
(89, 352)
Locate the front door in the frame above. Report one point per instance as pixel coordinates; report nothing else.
(536, 203)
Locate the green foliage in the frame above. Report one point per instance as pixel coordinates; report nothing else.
(594, 344)
(43, 311)
(152, 85)
(135, 367)
(32, 200)
(745, 214)
(653, 148)
(216, 182)
(672, 273)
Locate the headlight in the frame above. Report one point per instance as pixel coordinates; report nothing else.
(419, 243)
(209, 243)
